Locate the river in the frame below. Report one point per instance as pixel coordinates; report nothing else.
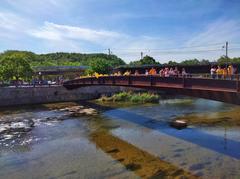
(122, 141)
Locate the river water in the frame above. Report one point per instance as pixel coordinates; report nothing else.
(75, 147)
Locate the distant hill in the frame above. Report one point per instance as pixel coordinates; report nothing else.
(66, 59)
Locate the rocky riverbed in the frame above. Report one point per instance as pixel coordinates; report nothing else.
(12, 128)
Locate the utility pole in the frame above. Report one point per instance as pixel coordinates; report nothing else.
(141, 55)
(109, 52)
(226, 49)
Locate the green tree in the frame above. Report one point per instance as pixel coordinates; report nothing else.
(135, 63)
(227, 60)
(15, 67)
(99, 65)
(204, 62)
(64, 59)
(190, 62)
(147, 60)
(172, 63)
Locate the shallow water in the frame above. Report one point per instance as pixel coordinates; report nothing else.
(66, 149)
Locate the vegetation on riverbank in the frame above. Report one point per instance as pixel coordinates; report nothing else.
(132, 97)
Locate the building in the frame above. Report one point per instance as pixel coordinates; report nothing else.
(56, 73)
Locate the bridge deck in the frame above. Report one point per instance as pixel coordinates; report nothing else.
(221, 90)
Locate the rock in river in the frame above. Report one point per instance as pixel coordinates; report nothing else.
(10, 129)
(77, 111)
(178, 124)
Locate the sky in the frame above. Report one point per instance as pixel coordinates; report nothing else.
(165, 29)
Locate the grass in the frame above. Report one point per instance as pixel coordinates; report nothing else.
(131, 97)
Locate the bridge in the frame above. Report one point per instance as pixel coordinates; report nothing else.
(214, 89)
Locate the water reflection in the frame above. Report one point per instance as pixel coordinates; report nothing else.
(66, 149)
(193, 135)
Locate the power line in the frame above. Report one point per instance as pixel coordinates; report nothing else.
(174, 52)
(184, 47)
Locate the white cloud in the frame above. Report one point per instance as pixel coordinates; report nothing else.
(12, 27)
(52, 31)
(11, 21)
(37, 6)
(219, 31)
(127, 47)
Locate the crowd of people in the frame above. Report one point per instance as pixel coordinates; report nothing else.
(165, 72)
(227, 72)
(216, 72)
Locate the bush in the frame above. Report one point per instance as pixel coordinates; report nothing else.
(132, 97)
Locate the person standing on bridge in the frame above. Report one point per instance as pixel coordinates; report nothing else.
(213, 72)
(166, 72)
(184, 73)
(171, 72)
(225, 73)
(161, 72)
(176, 72)
(136, 72)
(152, 71)
(119, 73)
(230, 71)
(127, 73)
(219, 72)
(146, 72)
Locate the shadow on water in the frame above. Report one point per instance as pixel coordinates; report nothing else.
(134, 159)
(193, 135)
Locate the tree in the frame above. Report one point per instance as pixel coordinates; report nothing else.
(100, 65)
(64, 59)
(147, 60)
(172, 63)
(190, 62)
(205, 62)
(227, 60)
(135, 63)
(15, 67)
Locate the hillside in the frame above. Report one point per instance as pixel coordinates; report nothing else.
(65, 59)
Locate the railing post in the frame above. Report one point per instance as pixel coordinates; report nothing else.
(103, 80)
(237, 84)
(151, 80)
(129, 80)
(183, 81)
(113, 80)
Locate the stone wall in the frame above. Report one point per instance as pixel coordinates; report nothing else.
(38, 95)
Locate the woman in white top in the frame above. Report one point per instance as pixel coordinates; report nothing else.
(213, 72)
(184, 73)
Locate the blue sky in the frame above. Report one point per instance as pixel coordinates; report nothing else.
(165, 29)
